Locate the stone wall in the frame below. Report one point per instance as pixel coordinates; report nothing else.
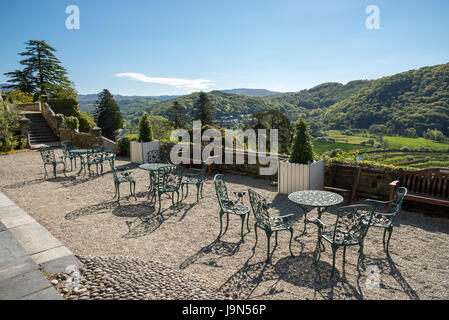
(35, 106)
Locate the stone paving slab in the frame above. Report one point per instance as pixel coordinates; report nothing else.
(23, 285)
(51, 254)
(13, 216)
(35, 238)
(5, 201)
(10, 249)
(46, 294)
(20, 266)
(60, 264)
(2, 227)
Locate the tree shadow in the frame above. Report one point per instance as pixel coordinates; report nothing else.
(147, 219)
(21, 184)
(218, 248)
(99, 208)
(387, 266)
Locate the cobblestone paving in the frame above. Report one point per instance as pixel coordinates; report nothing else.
(121, 277)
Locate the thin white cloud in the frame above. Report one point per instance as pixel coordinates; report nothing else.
(197, 84)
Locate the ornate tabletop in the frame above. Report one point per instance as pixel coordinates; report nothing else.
(153, 166)
(315, 198)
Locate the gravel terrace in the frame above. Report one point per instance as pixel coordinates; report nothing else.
(81, 213)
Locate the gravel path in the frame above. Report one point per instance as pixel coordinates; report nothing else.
(82, 214)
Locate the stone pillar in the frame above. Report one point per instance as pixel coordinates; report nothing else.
(25, 124)
(96, 137)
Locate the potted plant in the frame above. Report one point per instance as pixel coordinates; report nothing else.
(301, 171)
(139, 149)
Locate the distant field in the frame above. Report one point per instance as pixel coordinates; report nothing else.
(414, 143)
(417, 160)
(340, 137)
(321, 147)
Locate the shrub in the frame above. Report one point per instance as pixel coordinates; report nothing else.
(377, 145)
(405, 149)
(302, 151)
(145, 130)
(72, 122)
(68, 106)
(17, 96)
(9, 124)
(363, 143)
(335, 152)
(86, 121)
(125, 143)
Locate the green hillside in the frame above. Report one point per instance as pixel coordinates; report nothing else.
(414, 99)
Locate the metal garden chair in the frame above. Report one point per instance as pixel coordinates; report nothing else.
(194, 178)
(268, 223)
(94, 157)
(228, 206)
(385, 213)
(350, 229)
(66, 146)
(167, 180)
(125, 176)
(49, 158)
(157, 156)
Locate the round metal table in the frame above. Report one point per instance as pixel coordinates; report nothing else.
(80, 153)
(152, 167)
(314, 198)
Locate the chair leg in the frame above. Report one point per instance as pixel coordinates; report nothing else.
(390, 231)
(54, 171)
(197, 193)
(221, 224)
(276, 239)
(182, 192)
(201, 190)
(45, 169)
(290, 243)
(118, 192)
(344, 259)
(383, 238)
(243, 224)
(268, 246)
(187, 190)
(159, 197)
(334, 251)
(247, 222)
(227, 224)
(134, 188)
(255, 231)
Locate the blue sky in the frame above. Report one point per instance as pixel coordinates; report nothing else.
(158, 47)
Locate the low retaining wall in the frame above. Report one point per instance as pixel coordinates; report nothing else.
(35, 106)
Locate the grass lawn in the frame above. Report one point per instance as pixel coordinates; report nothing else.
(326, 146)
(414, 143)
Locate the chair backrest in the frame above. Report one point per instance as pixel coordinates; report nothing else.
(260, 208)
(157, 156)
(220, 188)
(67, 145)
(48, 155)
(397, 201)
(112, 164)
(352, 222)
(167, 178)
(94, 155)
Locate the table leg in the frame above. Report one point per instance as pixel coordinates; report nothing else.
(304, 232)
(82, 164)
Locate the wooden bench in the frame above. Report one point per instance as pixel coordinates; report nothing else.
(427, 186)
(344, 181)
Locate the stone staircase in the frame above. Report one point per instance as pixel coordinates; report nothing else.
(40, 131)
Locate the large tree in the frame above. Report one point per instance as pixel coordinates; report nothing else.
(177, 115)
(107, 114)
(275, 119)
(203, 110)
(302, 151)
(42, 71)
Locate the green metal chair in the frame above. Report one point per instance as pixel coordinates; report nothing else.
(66, 146)
(350, 229)
(157, 156)
(49, 158)
(167, 180)
(385, 213)
(194, 178)
(94, 158)
(228, 207)
(268, 223)
(125, 176)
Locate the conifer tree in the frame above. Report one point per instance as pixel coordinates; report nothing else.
(203, 110)
(42, 70)
(302, 151)
(107, 114)
(176, 115)
(145, 129)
